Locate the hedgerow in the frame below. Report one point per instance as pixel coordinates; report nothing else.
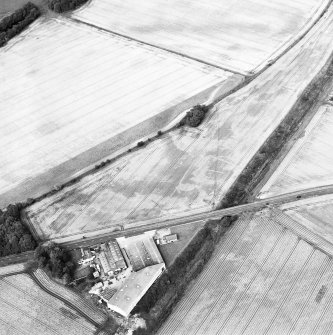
(13, 24)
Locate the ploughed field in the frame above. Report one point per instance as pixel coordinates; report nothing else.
(71, 95)
(262, 279)
(188, 170)
(27, 309)
(313, 213)
(310, 161)
(240, 35)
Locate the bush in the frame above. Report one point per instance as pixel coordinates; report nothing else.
(61, 6)
(195, 116)
(141, 144)
(159, 133)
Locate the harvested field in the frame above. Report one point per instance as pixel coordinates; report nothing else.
(262, 279)
(83, 305)
(241, 35)
(26, 308)
(188, 170)
(310, 161)
(314, 213)
(13, 268)
(83, 94)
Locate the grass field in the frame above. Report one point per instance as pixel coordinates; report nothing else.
(185, 234)
(27, 309)
(262, 279)
(314, 213)
(80, 91)
(190, 169)
(238, 35)
(310, 161)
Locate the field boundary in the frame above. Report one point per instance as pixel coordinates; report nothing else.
(283, 49)
(66, 302)
(242, 190)
(157, 47)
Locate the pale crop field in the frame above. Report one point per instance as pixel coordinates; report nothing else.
(310, 161)
(27, 309)
(67, 88)
(261, 280)
(239, 35)
(13, 268)
(188, 170)
(313, 213)
(79, 302)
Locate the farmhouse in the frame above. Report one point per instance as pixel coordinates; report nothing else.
(134, 288)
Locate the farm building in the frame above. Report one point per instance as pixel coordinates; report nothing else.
(141, 251)
(134, 288)
(111, 258)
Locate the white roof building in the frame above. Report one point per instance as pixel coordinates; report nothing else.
(134, 288)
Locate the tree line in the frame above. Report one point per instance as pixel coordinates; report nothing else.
(61, 6)
(15, 237)
(56, 261)
(158, 302)
(13, 24)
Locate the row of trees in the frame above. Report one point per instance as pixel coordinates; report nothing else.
(61, 6)
(194, 116)
(15, 237)
(13, 24)
(56, 261)
(157, 303)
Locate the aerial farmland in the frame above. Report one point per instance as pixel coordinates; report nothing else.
(188, 170)
(26, 307)
(241, 36)
(263, 279)
(156, 125)
(309, 163)
(81, 90)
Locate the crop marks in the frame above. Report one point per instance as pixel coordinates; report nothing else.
(190, 169)
(84, 94)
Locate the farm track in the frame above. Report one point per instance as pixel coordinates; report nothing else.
(42, 285)
(33, 296)
(76, 300)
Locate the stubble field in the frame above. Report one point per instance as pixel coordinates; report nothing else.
(241, 35)
(262, 279)
(310, 161)
(313, 213)
(188, 170)
(27, 309)
(71, 95)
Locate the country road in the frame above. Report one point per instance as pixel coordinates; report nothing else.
(99, 237)
(217, 214)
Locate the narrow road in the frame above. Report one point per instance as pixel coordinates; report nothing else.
(218, 214)
(140, 227)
